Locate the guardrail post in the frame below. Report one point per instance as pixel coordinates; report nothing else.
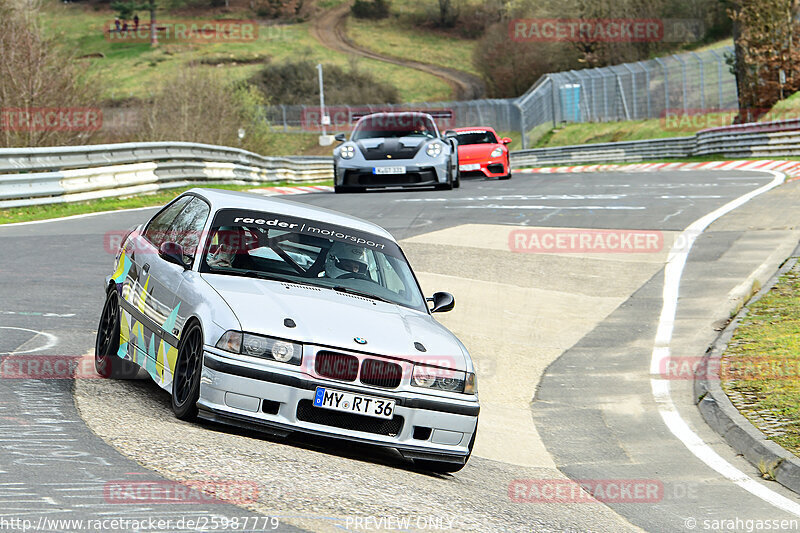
(666, 82)
(719, 78)
(553, 100)
(647, 86)
(702, 81)
(633, 87)
(522, 131)
(683, 72)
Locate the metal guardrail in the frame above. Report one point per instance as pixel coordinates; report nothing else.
(31, 176)
(768, 139)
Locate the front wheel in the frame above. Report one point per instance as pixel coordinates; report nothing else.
(106, 361)
(186, 380)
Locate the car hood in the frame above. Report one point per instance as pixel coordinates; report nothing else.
(330, 318)
(475, 152)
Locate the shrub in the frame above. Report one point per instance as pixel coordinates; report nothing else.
(370, 9)
(297, 83)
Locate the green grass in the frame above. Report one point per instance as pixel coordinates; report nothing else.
(600, 132)
(764, 356)
(133, 69)
(44, 212)
(391, 37)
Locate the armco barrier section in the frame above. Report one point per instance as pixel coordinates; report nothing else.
(31, 176)
(768, 139)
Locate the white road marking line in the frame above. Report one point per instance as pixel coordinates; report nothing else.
(51, 340)
(75, 217)
(661, 350)
(581, 207)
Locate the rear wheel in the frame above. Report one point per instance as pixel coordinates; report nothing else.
(106, 361)
(186, 381)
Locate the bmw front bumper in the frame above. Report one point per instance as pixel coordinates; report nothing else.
(280, 400)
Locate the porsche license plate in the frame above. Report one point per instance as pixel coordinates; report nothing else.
(389, 170)
(353, 403)
(471, 166)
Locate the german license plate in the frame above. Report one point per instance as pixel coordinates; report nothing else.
(471, 166)
(353, 403)
(389, 170)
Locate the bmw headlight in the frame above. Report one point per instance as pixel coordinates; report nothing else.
(497, 152)
(445, 380)
(434, 149)
(347, 151)
(260, 346)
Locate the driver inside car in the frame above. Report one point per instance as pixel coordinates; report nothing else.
(346, 261)
(229, 249)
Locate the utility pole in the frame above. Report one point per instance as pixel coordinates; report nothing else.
(323, 118)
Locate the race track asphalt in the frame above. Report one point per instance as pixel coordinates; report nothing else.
(562, 343)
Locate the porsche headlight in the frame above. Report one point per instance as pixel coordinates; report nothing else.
(497, 152)
(260, 346)
(347, 151)
(434, 149)
(442, 379)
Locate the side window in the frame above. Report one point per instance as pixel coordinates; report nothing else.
(156, 231)
(187, 227)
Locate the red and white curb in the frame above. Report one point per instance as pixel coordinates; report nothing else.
(790, 168)
(305, 189)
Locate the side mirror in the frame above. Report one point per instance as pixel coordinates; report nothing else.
(442, 302)
(340, 137)
(172, 252)
(505, 140)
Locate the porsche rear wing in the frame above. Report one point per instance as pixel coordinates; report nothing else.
(437, 114)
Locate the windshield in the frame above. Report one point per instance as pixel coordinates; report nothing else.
(397, 125)
(279, 247)
(476, 137)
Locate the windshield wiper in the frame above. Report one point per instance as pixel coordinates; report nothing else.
(348, 290)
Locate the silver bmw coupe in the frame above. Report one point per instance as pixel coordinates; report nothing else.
(284, 317)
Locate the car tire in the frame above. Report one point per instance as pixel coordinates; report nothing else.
(457, 181)
(106, 361)
(186, 379)
(443, 467)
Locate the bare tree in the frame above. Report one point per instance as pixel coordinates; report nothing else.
(33, 76)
